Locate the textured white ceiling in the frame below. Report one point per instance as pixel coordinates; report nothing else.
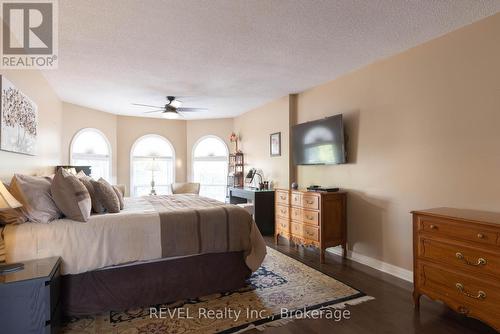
(233, 55)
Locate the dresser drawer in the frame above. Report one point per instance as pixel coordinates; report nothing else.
(282, 225)
(310, 202)
(304, 216)
(479, 261)
(464, 231)
(305, 231)
(296, 214)
(470, 293)
(310, 217)
(296, 199)
(283, 211)
(282, 197)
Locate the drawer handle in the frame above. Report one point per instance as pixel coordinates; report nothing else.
(480, 261)
(282, 197)
(310, 233)
(309, 202)
(283, 211)
(310, 217)
(480, 294)
(480, 236)
(283, 225)
(296, 213)
(433, 227)
(463, 310)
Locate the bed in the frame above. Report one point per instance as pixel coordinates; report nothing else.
(158, 249)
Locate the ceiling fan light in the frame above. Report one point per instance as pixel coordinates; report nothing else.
(171, 115)
(176, 104)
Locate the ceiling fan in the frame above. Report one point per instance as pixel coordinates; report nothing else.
(171, 110)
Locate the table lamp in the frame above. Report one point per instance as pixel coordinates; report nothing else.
(8, 202)
(153, 168)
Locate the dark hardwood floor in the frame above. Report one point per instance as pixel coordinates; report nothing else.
(391, 311)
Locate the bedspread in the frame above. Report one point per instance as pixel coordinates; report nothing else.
(149, 228)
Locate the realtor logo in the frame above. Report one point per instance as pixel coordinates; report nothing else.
(29, 34)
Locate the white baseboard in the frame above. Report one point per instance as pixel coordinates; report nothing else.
(385, 267)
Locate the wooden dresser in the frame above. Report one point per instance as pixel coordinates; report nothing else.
(312, 218)
(457, 260)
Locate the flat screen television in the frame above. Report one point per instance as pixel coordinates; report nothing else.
(319, 142)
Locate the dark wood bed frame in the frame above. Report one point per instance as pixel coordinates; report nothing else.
(152, 283)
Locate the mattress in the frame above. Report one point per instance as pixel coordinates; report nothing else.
(105, 240)
(143, 231)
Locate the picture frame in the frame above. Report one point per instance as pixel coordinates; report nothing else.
(275, 144)
(18, 120)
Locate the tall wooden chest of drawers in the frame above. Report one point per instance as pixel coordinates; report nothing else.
(457, 260)
(312, 218)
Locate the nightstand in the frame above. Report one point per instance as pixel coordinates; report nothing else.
(30, 298)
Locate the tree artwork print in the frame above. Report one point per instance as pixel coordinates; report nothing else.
(19, 118)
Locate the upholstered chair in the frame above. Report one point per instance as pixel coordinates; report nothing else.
(185, 188)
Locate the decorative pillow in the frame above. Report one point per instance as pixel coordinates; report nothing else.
(87, 182)
(81, 174)
(34, 194)
(11, 216)
(122, 188)
(71, 196)
(106, 195)
(119, 194)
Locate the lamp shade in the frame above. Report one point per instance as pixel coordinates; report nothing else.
(7, 201)
(152, 166)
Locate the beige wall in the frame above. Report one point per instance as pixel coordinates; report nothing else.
(122, 132)
(424, 132)
(254, 128)
(422, 125)
(126, 130)
(197, 129)
(129, 129)
(76, 118)
(34, 85)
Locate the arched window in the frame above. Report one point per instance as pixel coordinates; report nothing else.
(90, 147)
(210, 158)
(152, 158)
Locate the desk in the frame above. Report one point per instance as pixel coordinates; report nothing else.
(263, 202)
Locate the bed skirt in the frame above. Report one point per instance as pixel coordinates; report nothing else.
(152, 283)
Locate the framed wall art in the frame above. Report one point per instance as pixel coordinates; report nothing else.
(275, 144)
(18, 120)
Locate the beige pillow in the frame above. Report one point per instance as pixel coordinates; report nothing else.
(71, 196)
(106, 195)
(34, 194)
(122, 188)
(119, 194)
(81, 174)
(87, 182)
(11, 216)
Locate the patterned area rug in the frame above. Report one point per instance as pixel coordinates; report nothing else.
(282, 289)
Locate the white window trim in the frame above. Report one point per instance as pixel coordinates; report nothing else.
(131, 175)
(208, 158)
(93, 156)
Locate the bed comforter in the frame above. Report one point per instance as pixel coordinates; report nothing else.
(149, 228)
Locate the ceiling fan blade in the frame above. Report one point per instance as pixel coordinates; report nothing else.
(191, 109)
(146, 105)
(153, 111)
